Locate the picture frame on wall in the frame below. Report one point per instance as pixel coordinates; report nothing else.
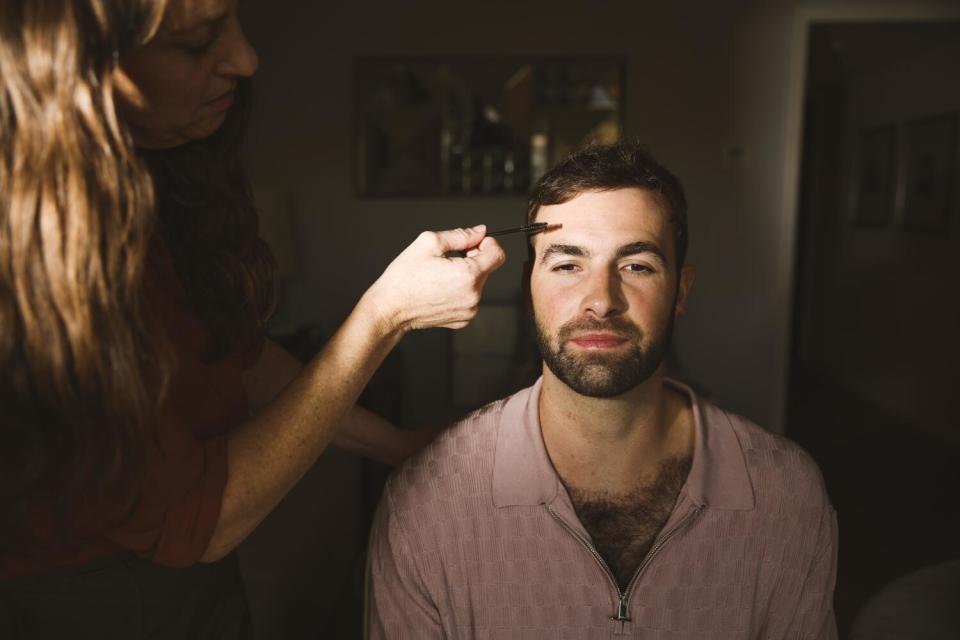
(875, 174)
(929, 167)
(478, 125)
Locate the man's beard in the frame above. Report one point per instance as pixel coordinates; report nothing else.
(598, 374)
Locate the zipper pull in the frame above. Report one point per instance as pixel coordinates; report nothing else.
(622, 615)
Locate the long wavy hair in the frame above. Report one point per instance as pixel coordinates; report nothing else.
(83, 360)
(210, 225)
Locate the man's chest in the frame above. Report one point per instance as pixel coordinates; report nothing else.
(624, 526)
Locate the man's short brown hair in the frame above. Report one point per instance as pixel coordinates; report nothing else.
(609, 167)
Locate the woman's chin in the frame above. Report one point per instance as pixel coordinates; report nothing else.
(198, 130)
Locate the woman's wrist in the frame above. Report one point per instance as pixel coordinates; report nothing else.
(388, 319)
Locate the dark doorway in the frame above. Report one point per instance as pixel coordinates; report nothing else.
(877, 316)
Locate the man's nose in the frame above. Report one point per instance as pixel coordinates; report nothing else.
(602, 296)
(241, 59)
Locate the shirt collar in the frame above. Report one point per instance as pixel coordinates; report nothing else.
(523, 474)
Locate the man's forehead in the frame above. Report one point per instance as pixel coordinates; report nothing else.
(609, 217)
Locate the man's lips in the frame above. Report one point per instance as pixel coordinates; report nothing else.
(599, 340)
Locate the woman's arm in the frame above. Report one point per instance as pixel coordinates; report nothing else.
(360, 432)
(270, 452)
(272, 372)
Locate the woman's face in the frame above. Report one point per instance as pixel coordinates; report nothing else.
(178, 86)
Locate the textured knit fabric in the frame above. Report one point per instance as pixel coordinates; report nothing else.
(476, 537)
(186, 466)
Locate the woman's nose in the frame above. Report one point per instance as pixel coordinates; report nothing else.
(241, 58)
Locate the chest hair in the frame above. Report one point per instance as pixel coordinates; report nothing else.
(624, 526)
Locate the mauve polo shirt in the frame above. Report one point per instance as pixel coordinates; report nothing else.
(476, 537)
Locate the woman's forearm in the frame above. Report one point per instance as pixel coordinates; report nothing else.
(269, 453)
(361, 432)
(269, 375)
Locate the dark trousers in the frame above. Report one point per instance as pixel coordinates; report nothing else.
(127, 598)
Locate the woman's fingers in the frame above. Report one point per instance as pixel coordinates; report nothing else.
(480, 262)
(488, 255)
(456, 239)
(422, 289)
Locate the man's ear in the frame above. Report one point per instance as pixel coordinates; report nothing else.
(687, 274)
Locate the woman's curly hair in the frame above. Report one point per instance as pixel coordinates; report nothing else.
(83, 358)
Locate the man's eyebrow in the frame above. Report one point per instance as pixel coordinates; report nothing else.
(563, 250)
(642, 247)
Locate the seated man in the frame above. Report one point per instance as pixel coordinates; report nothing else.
(605, 500)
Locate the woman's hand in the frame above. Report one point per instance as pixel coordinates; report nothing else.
(272, 450)
(421, 288)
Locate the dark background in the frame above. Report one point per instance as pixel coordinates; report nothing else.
(841, 335)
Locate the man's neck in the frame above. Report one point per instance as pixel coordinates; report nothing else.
(613, 445)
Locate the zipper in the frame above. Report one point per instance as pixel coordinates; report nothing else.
(623, 597)
(683, 524)
(596, 555)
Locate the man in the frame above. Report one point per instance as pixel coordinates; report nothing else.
(605, 500)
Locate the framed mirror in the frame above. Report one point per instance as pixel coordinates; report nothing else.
(478, 126)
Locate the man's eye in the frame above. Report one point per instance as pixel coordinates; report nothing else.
(636, 267)
(565, 267)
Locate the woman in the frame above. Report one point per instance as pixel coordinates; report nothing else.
(147, 426)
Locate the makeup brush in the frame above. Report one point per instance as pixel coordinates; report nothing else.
(528, 229)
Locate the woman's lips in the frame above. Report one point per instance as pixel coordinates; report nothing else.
(224, 101)
(599, 340)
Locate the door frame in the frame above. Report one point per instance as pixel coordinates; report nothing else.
(803, 19)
